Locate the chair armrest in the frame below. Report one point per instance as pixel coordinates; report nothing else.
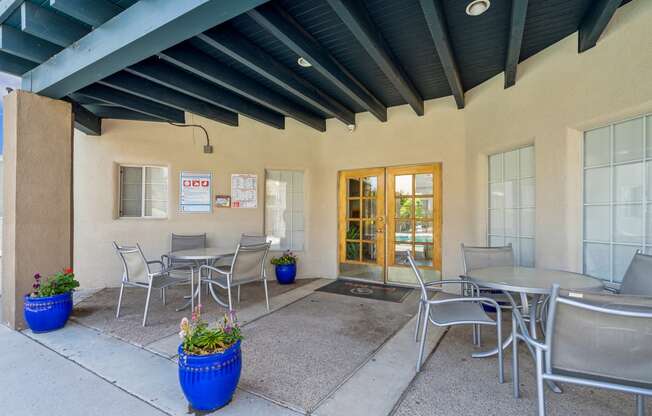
(450, 281)
(524, 333)
(214, 269)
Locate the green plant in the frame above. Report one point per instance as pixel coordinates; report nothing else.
(285, 259)
(200, 339)
(57, 284)
(353, 249)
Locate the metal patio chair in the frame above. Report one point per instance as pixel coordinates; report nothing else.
(454, 310)
(252, 239)
(183, 242)
(475, 257)
(248, 265)
(138, 272)
(637, 279)
(613, 351)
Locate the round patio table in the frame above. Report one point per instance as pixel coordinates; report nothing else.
(529, 281)
(199, 256)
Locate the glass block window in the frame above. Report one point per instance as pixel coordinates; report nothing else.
(512, 202)
(617, 196)
(143, 192)
(284, 219)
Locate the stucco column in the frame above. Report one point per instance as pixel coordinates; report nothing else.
(36, 236)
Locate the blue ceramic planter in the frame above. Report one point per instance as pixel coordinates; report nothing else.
(285, 273)
(209, 381)
(48, 313)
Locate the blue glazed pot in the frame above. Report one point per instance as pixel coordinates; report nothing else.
(209, 381)
(285, 273)
(48, 313)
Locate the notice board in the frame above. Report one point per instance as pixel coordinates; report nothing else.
(244, 190)
(195, 192)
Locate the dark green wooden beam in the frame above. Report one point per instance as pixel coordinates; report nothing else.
(231, 43)
(595, 21)
(137, 33)
(516, 29)
(434, 14)
(91, 12)
(119, 113)
(143, 88)
(200, 64)
(23, 45)
(48, 25)
(356, 18)
(134, 103)
(7, 7)
(283, 26)
(86, 121)
(14, 65)
(174, 78)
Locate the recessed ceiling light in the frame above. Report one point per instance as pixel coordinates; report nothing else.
(304, 62)
(477, 7)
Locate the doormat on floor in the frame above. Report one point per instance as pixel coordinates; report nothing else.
(367, 290)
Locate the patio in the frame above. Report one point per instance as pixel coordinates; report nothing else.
(401, 159)
(305, 375)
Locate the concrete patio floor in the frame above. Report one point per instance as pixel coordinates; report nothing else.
(79, 370)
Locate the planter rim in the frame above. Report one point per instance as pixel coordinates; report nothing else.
(207, 357)
(27, 297)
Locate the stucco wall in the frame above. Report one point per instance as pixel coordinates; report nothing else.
(558, 94)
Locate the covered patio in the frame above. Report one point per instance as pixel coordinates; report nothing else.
(378, 143)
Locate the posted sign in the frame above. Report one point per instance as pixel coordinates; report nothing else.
(195, 192)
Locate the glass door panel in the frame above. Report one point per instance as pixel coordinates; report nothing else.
(414, 222)
(362, 224)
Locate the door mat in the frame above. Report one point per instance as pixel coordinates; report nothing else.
(367, 290)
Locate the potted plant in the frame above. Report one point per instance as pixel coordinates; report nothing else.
(286, 268)
(210, 361)
(48, 306)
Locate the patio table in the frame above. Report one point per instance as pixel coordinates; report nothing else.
(205, 255)
(529, 281)
(526, 281)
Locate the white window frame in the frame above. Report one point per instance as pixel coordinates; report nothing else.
(643, 244)
(303, 212)
(517, 237)
(142, 208)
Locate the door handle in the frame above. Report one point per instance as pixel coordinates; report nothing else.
(381, 224)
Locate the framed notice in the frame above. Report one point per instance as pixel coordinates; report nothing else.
(195, 192)
(223, 201)
(244, 191)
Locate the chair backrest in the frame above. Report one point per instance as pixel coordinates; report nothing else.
(134, 263)
(638, 277)
(187, 242)
(249, 262)
(603, 336)
(417, 272)
(252, 239)
(481, 257)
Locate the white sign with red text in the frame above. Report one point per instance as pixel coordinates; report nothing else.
(195, 192)
(244, 191)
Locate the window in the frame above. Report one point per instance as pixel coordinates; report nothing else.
(617, 196)
(284, 209)
(143, 191)
(512, 202)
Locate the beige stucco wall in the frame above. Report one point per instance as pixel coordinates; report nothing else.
(252, 148)
(37, 203)
(558, 93)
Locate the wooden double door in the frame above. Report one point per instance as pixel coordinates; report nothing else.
(382, 213)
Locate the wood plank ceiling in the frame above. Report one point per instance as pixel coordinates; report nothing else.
(365, 56)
